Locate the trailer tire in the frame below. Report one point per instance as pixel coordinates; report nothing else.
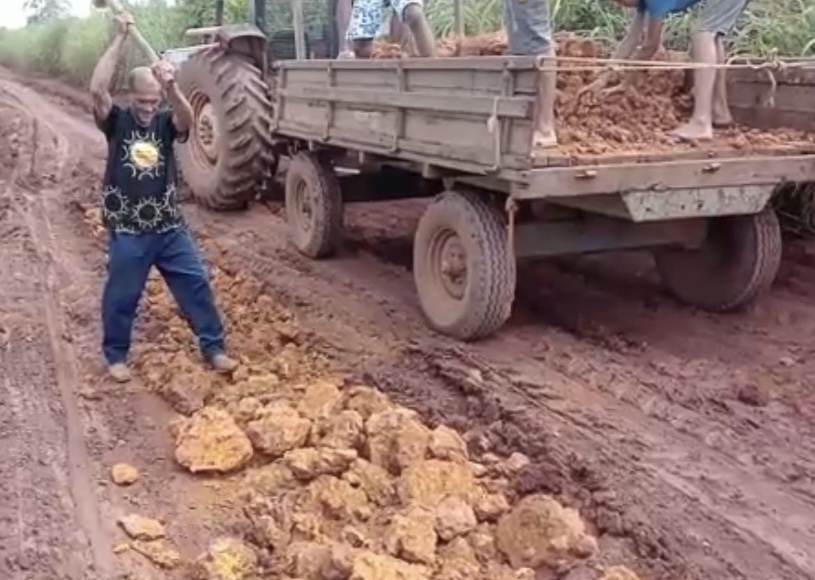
(314, 208)
(462, 230)
(229, 152)
(738, 260)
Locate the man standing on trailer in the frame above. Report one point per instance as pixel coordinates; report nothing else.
(367, 16)
(529, 32)
(717, 19)
(644, 37)
(140, 208)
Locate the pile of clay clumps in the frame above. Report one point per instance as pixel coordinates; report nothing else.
(636, 119)
(336, 481)
(346, 485)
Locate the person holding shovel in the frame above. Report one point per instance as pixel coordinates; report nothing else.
(644, 37)
(140, 207)
(717, 18)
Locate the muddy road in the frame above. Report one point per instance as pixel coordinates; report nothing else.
(686, 440)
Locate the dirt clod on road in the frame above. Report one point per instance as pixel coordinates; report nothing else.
(607, 432)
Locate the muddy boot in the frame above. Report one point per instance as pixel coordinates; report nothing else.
(222, 363)
(119, 372)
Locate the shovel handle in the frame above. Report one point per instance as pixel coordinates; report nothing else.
(116, 7)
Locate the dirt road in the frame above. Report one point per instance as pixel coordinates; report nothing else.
(685, 439)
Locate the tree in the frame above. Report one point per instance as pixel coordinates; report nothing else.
(41, 11)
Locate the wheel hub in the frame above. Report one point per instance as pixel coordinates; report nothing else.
(303, 204)
(206, 132)
(452, 265)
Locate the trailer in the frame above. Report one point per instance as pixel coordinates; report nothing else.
(458, 131)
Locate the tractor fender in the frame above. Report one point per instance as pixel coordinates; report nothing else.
(245, 39)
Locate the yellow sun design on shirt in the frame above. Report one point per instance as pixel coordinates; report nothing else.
(142, 155)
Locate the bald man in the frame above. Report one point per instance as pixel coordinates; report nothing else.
(140, 208)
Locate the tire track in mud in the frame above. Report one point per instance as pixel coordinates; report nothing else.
(636, 409)
(116, 423)
(718, 486)
(39, 354)
(621, 461)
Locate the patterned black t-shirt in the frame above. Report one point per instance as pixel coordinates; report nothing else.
(139, 189)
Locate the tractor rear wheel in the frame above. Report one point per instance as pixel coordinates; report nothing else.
(229, 152)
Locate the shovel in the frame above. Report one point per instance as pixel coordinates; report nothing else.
(116, 7)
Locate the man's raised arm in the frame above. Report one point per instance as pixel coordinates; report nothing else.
(105, 68)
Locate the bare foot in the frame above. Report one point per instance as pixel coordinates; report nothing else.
(543, 142)
(693, 131)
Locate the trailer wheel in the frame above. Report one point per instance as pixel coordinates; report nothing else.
(314, 208)
(229, 150)
(738, 260)
(463, 272)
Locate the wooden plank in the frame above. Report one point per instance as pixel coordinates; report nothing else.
(448, 64)
(514, 107)
(466, 160)
(793, 76)
(767, 118)
(623, 177)
(700, 154)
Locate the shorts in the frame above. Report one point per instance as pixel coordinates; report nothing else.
(720, 16)
(367, 16)
(529, 27)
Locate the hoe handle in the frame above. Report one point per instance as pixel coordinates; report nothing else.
(116, 7)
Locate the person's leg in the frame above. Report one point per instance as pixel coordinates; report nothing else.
(700, 125)
(400, 34)
(366, 17)
(129, 260)
(343, 16)
(716, 19)
(721, 109)
(529, 32)
(411, 12)
(183, 271)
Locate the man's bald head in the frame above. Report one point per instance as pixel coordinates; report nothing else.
(145, 93)
(142, 80)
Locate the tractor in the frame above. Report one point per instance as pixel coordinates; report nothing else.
(225, 73)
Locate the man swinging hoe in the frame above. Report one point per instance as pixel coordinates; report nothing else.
(140, 208)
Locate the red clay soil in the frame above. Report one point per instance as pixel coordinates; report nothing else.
(686, 440)
(637, 119)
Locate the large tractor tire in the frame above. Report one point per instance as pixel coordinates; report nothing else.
(229, 153)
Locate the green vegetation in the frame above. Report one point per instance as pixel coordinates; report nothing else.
(69, 48)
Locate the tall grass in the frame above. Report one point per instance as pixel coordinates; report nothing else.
(70, 48)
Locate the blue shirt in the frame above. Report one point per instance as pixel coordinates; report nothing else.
(662, 8)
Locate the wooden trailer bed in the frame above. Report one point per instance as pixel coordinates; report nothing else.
(465, 114)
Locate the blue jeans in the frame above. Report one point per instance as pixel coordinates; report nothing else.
(175, 256)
